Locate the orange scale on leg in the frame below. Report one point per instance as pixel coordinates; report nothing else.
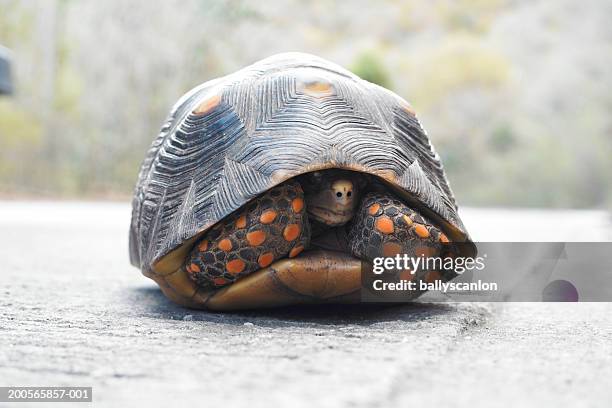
(265, 259)
(374, 209)
(203, 246)
(220, 281)
(406, 274)
(297, 204)
(296, 251)
(421, 231)
(391, 249)
(291, 232)
(241, 221)
(234, 267)
(255, 238)
(225, 245)
(407, 220)
(268, 217)
(384, 224)
(432, 276)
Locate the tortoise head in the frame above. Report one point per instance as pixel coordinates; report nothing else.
(332, 195)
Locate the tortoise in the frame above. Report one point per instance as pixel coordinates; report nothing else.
(277, 184)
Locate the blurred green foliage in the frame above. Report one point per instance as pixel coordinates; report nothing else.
(369, 66)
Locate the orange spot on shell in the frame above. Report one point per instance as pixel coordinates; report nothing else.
(225, 245)
(407, 220)
(241, 221)
(255, 238)
(296, 251)
(268, 216)
(409, 108)
(297, 204)
(265, 259)
(444, 239)
(374, 209)
(203, 246)
(235, 266)
(318, 88)
(421, 231)
(391, 249)
(384, 224)
(207, 105)
(194, 268)
(291, 232)
(220, 281)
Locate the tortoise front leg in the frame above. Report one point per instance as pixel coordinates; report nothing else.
(271, 227)
(384, 227)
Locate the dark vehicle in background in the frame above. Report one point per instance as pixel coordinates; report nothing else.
(6, 86)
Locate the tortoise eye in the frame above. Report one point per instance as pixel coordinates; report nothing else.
(338, 194)
(350, 193)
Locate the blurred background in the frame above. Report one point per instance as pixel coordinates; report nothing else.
(516, 95)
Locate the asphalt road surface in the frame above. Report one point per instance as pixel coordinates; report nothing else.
(73, 312)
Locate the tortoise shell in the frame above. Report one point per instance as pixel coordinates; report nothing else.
(230, 139)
